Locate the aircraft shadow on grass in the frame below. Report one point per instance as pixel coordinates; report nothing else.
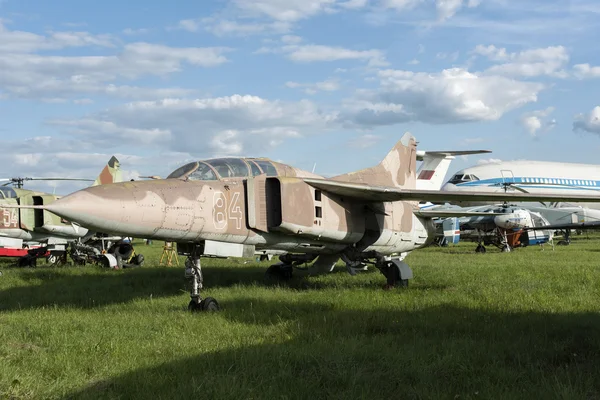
(89, 290)
(438, 352)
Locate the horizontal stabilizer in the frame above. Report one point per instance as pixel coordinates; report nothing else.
(370, 193)
(421, 154)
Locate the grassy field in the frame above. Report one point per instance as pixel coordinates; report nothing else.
(470, 326)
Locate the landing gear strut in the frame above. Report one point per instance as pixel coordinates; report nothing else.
(397, 273)
(193, 271)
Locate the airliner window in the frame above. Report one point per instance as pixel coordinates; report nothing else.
(456, 178)
(267, 167)
(474, 178)
(230, 167)
(202, 173)
(255, 168)
(182, 171)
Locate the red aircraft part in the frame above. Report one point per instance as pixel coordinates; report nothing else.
(14, 252)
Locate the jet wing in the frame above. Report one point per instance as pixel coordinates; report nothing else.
(370, 193)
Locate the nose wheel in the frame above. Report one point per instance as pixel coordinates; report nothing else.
(207, 304)
(193, 271)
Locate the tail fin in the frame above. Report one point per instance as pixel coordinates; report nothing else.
(110, 174)
(451, 228)
(432, 171)
(398, 168)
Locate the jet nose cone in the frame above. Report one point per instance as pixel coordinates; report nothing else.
(162, 209)
(99, 208)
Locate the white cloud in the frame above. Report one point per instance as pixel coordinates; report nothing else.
(107, 131)
(285, 10)
(131, 31)
(453, 95)
(529, 63)
(535, 120)
(448, 56)
(488, 161)
(319, 53)
(414, 61)
(448, 8)
(54, 77)
(228, 27)
(27, 42)
(589, 122)
(583, 71)
(205, 126)
(400, 5)
(291, 39)
(353, 4)
(329, 85)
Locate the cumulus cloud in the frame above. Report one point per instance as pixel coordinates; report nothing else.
(27, 42)
(447, 8)
(533, 62)
(329, 85)
(307, 53)
(583, 71)
(453, 95)
(536, 120)
(53, 77)
(285, 10)
(228, 27)
(588, 122)
(204, 126)
(549, 61)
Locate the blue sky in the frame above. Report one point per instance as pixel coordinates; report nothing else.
(331, 82)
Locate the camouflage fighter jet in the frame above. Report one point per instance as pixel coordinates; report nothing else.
(34, 227)
(234, 206)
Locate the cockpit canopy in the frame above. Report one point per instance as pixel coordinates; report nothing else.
(461, 178)
(8, 193)
(220, 168)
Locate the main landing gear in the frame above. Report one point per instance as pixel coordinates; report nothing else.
(193, 271)
(284, 270)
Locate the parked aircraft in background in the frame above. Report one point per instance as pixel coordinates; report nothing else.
(515, 226)
(234, 206)
(33, 228)
(529, 177)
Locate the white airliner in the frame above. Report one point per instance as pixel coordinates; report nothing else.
(529, 176)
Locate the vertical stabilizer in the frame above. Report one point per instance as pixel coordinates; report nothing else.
(110, 174)
(398, 168)
(435, 165)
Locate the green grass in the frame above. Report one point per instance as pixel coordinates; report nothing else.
(471, 326)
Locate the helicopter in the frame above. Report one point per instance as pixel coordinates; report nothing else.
(26, 231)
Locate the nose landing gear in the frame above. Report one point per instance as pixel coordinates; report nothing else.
(193, 271)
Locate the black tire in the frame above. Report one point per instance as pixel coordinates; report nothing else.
(209, 304)
(277, 273)
(194, 307)
(392, 274)
(138, 259)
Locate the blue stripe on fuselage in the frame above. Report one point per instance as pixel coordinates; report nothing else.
(586, 184)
